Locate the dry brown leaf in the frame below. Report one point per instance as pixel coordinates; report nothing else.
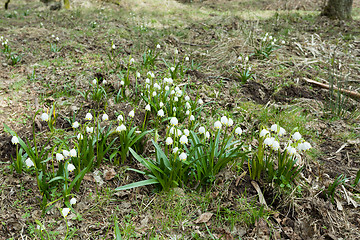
(109, 174)
(339, 205)
(204, 218)
(261, 196)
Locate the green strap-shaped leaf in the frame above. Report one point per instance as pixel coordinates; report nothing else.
(138, 184)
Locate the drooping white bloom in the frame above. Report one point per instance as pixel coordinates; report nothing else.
(132, 113)
(156, 85)
(120, 118)
(179, 93)
(274, 128)
(65, 212)
(230, 122)
(158, 46)
(131, 61)
(59, 157)
(183, 139)
(238, 131)
(151, 74)
(161, 104)
(187, 113)
(89, 129)
(75, 124)
(296, 136)
(172, 69)
(192, 118)
(73, 152)
(186, 132)
(291, 150)
(307, 146)
(200, 101)
(122, 83)
(66, 153)
(172, 92)
(105, 117)
(174, 121)
(269, 141)
(169, 141)
(300, 146)
(161, 113)
(80, 136)
(187, 98)
(154, 94)
(72, 201)
(275, 146)
(175, 150)
(148, 107)
(147, 81)
(179, 132)
(224, 120)
(14, 140)
(174, 109)
(187, 59)
(94, 81)
(113, 46)
(264, 132)
(176, 51)
(176, 99)
(44, 117)
(88, 117)
(281, 131)
(57, 39)
(187, 105)
(29, 163)
(70, 167)
(304, 146)
(217, 125)
(167, 88)
(120, 128)
(183, 156)
(138, 75)
(201, 130)
(207, 134)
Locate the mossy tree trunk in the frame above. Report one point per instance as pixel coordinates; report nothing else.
(338, 9)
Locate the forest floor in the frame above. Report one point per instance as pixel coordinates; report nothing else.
(321, 203)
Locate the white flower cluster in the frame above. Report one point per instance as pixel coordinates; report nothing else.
(291, 147)
(4, 41)
(55, 38)
(269, 38)
(160, 91)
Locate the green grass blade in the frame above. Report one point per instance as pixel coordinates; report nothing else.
(138, 184)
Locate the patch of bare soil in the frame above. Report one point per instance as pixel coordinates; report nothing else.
(289, 93)
(256, 92)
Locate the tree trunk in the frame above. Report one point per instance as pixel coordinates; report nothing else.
(338, 9)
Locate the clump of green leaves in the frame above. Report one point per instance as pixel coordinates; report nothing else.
(243, 70)
(10, 55)
(190, 162)
(55, 44)
(340, 180)
(336, 101)
(273, 164)
(267, 45)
